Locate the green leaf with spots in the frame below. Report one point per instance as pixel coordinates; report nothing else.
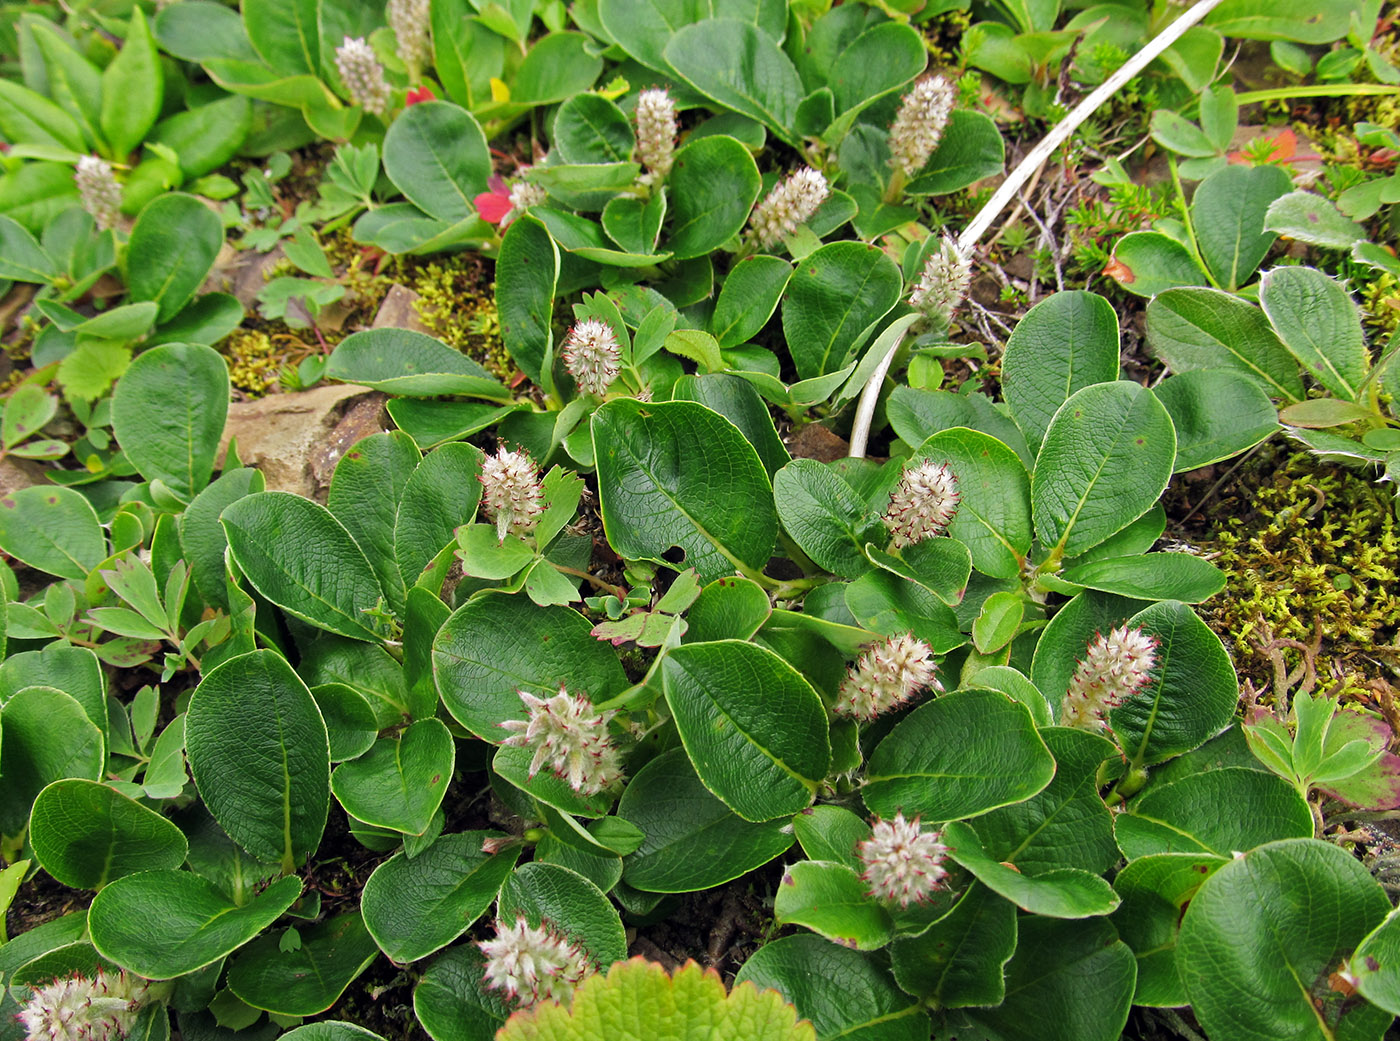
(54, 530)
(400, 782)
(832, 901)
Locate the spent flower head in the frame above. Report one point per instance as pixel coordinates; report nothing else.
(886, 676)
(656, 131)
(943, 283)
(903, 865)
(523, 195)
(98, 191)
(1114, 668)
(592, 355)
(923, 504)
(570, 737)
(363, 76)
(918, 127)
(511, 492)
(76, 1008)
(410, 20)
(790, 203)
(534, 964)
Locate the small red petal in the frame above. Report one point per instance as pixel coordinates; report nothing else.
(491, 207)
(420, 94)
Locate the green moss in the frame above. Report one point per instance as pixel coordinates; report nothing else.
(1311, 556)
(458, 306)
(253, 361)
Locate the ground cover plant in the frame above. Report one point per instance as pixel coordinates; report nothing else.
(802, 537)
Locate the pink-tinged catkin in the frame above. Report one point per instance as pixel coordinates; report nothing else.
(791, 203)
(570, 737)
(363, 76)
(510, 492)
(98, 191)
(523, 195)
(903, 865)
(592, 355)
(923, 504)
(943, 283)
(656, 132)
(917, 129)
(1114, 668)
(886, 676)
(410, 21)
(76, 1008)
(534, 964)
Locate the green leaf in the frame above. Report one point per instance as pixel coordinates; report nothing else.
(1155, 891)
(364, 496)
(1185, 817)
(825, 517)
(280, 542)
(916, 415)
(331, 1030)
(570, 903)
(638, 1001)
(1207, 329)
(73, 670)
(171, 251)
(526, 275)
(286, 35)
(207, 136)
(633, 224)
(753, 77)
(677, 474)
(1080, 970)
(164, 924)
(736, 400)
(1312, 219)
(21, 256)
(1217, 413)
(402, 361)
(957, 756)
(1106, 459)
(452, 1002)
(86, 834)
(748, 298)
(588, 128)
(415, 906)
(401, 781)
(52, 529)
(1146, 263)
(168, 414)
(560, 65)
(350, 721)
(48, 737)
(1227, 213)
(1057, 893)
(883, 58)
(837, 293)
(308, 979)
(844, 993)
(1193, 694)
(436, 154)
(202, 538)
(832, 901)
(940, 565)
(1151, 576)
(714, 184)
(1065, 343)
(971, 148)
(993, 518)
(1375, 963)
(27, 117)
(883, 602)
(753, 727)
(1176, 132)
(270, 788)
(1319, 324)
(495, 645)
(960, 959)
(643, 27)
(998, 621)
(1300, 20)
(441, 495)
(693, 841)
(1262, 935)
(133, 86)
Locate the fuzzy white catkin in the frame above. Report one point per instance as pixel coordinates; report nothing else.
(511, 493)
(363, 76)
(791, 203)
(943, 283)
(656, 132)
(534, 963)
(885, 677)
(568, 736)
(98, 191)
(76, 1008)
(923, 504)
(917, 129)
(592, 355)
(1114, 668)
(410, 19)
(903, 864)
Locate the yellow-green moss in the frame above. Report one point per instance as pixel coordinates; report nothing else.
(253, 361)
(1312, 550)
(459, 307)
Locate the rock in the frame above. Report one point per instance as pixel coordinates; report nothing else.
(296, 439)
(397, 311)
(17, 473)
(242, 273)
(815, 441)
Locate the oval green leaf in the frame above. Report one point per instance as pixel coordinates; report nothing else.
(401, 781)
(87, 834)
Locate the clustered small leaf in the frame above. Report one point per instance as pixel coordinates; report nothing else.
(592, 355)
(886, 676)
(1114, 668)
(656, 132)
(923, 504)
(534, 964)
(76, 1008)
(98, 191)
(917, 129)
(569, 737)
(791, 203)
(943, 283)
(511, 493)
(903, 864)
(410, 19)
(363, 75)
